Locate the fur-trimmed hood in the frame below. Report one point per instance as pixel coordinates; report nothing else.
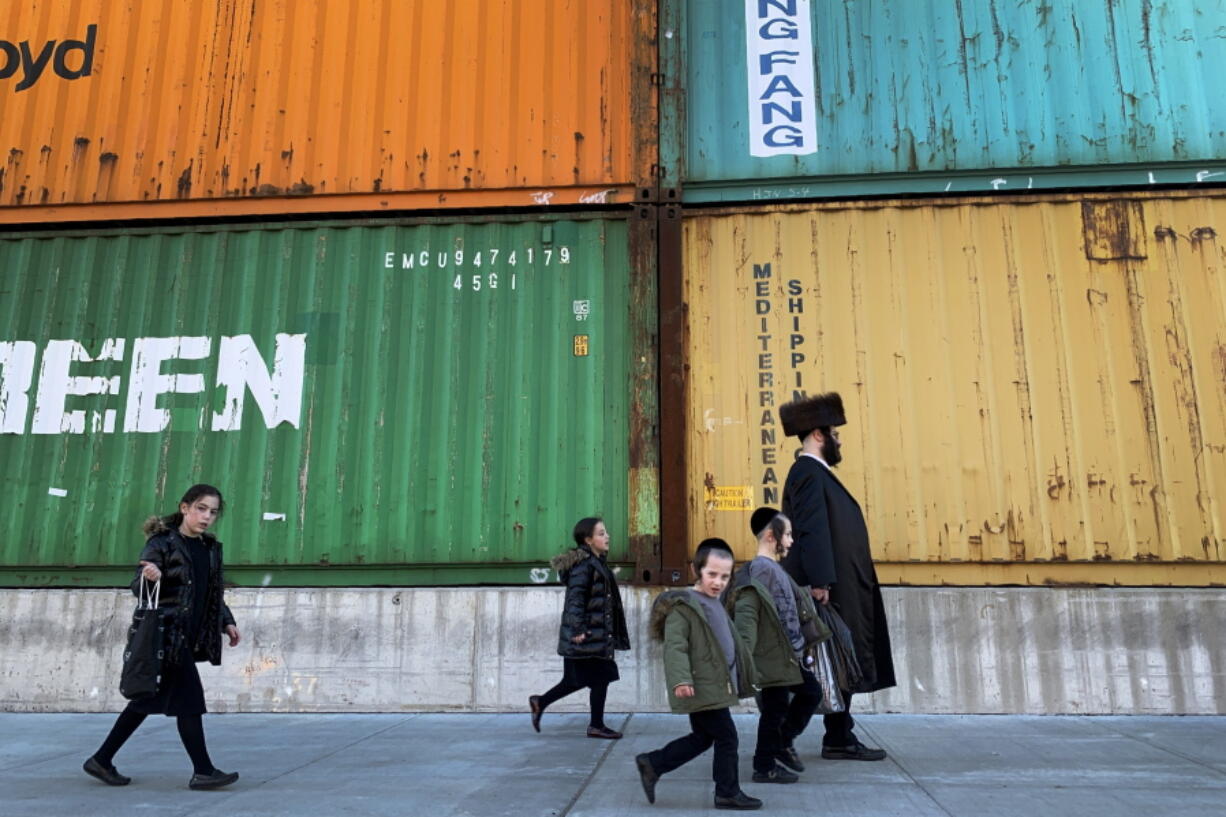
(567, 559)
(664, 605)
(156, 525)
(666, 602)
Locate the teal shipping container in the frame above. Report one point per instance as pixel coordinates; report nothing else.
(785, 99)
(429, 402)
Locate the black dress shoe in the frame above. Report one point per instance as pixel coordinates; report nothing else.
(790, 760)
(213, 780)
(534, 705)
(648, 776)
(856, 751)
(106, 774)
(603, 732)
(740, 802)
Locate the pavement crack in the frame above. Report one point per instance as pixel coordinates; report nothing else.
(339, 749)
(587, 781)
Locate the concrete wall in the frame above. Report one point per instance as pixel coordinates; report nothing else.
(958, 650)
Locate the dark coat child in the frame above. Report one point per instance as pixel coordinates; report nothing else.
(593, 627)
(186, 559)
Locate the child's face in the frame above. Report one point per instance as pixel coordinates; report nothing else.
(714, 575)
(599, 540)
(786, 544)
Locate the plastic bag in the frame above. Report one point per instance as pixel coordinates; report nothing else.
(823, 668)
(842, 651)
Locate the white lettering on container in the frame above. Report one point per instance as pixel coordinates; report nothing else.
(779, 59)
(240, 369)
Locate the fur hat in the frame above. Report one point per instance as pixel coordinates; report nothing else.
(800, 417)
(760, 519)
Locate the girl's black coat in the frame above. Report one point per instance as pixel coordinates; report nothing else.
(593, 606)
(166, 549)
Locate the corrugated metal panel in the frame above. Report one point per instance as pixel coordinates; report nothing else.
(240, 99)
(933, 96)
(426, 403)
(1032, 382)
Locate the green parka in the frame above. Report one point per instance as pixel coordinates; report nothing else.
(760, 626)
(758, 623)
(692, 655)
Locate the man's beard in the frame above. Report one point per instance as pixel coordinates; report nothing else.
(830, 451)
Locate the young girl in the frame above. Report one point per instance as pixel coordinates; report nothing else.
(593, 626)
(187, 559)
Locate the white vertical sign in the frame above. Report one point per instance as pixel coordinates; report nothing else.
(779, 57)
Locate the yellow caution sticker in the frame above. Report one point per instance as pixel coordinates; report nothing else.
(581, 345)
(729, 498)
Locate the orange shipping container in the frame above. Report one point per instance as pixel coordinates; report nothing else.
(236, 107)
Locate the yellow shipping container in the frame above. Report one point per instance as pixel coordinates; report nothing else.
(238, 107)
(1035, 388)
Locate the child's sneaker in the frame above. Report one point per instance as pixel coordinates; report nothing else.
(790, 760)
(775, 775)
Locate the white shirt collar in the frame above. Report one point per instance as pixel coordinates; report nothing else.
(816, 457)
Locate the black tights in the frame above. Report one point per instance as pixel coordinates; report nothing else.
(596, 699)
(191, 732)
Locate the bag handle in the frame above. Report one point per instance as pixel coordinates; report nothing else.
(152, 596)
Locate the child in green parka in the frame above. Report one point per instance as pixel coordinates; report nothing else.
(780, 627)
(707, 670)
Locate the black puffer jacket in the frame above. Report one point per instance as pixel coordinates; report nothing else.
(166, 549)
(593, 606)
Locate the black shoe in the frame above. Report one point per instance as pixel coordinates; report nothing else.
(106, 774)
(534, 705)
(856, 751)
(648, 776)
(790, 760)
(603, 732)
(213, 780)
(740, 801)
(775, 775)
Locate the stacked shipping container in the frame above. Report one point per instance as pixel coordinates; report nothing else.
(1035, 384)
(410, 400)
(1036, 379)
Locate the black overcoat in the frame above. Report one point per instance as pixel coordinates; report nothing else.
(830, 547)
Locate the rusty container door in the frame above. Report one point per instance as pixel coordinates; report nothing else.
(1036, 389)
(238, 107)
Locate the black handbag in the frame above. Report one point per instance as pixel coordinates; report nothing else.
(146, 649)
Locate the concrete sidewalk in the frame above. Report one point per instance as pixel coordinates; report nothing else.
(482, 765)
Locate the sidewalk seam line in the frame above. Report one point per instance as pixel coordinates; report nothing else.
(334, 752)
(907, 772)
(596, 768)
(1152, 745)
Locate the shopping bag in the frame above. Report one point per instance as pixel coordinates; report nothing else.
(842, 651)
(827, 679)
(146, 648)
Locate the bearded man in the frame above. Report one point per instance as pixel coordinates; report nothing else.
(831, 556)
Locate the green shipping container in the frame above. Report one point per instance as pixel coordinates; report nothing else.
(380, 403)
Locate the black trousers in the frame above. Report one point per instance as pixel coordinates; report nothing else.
(839, 725)
(713, 726)
(785, 712)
